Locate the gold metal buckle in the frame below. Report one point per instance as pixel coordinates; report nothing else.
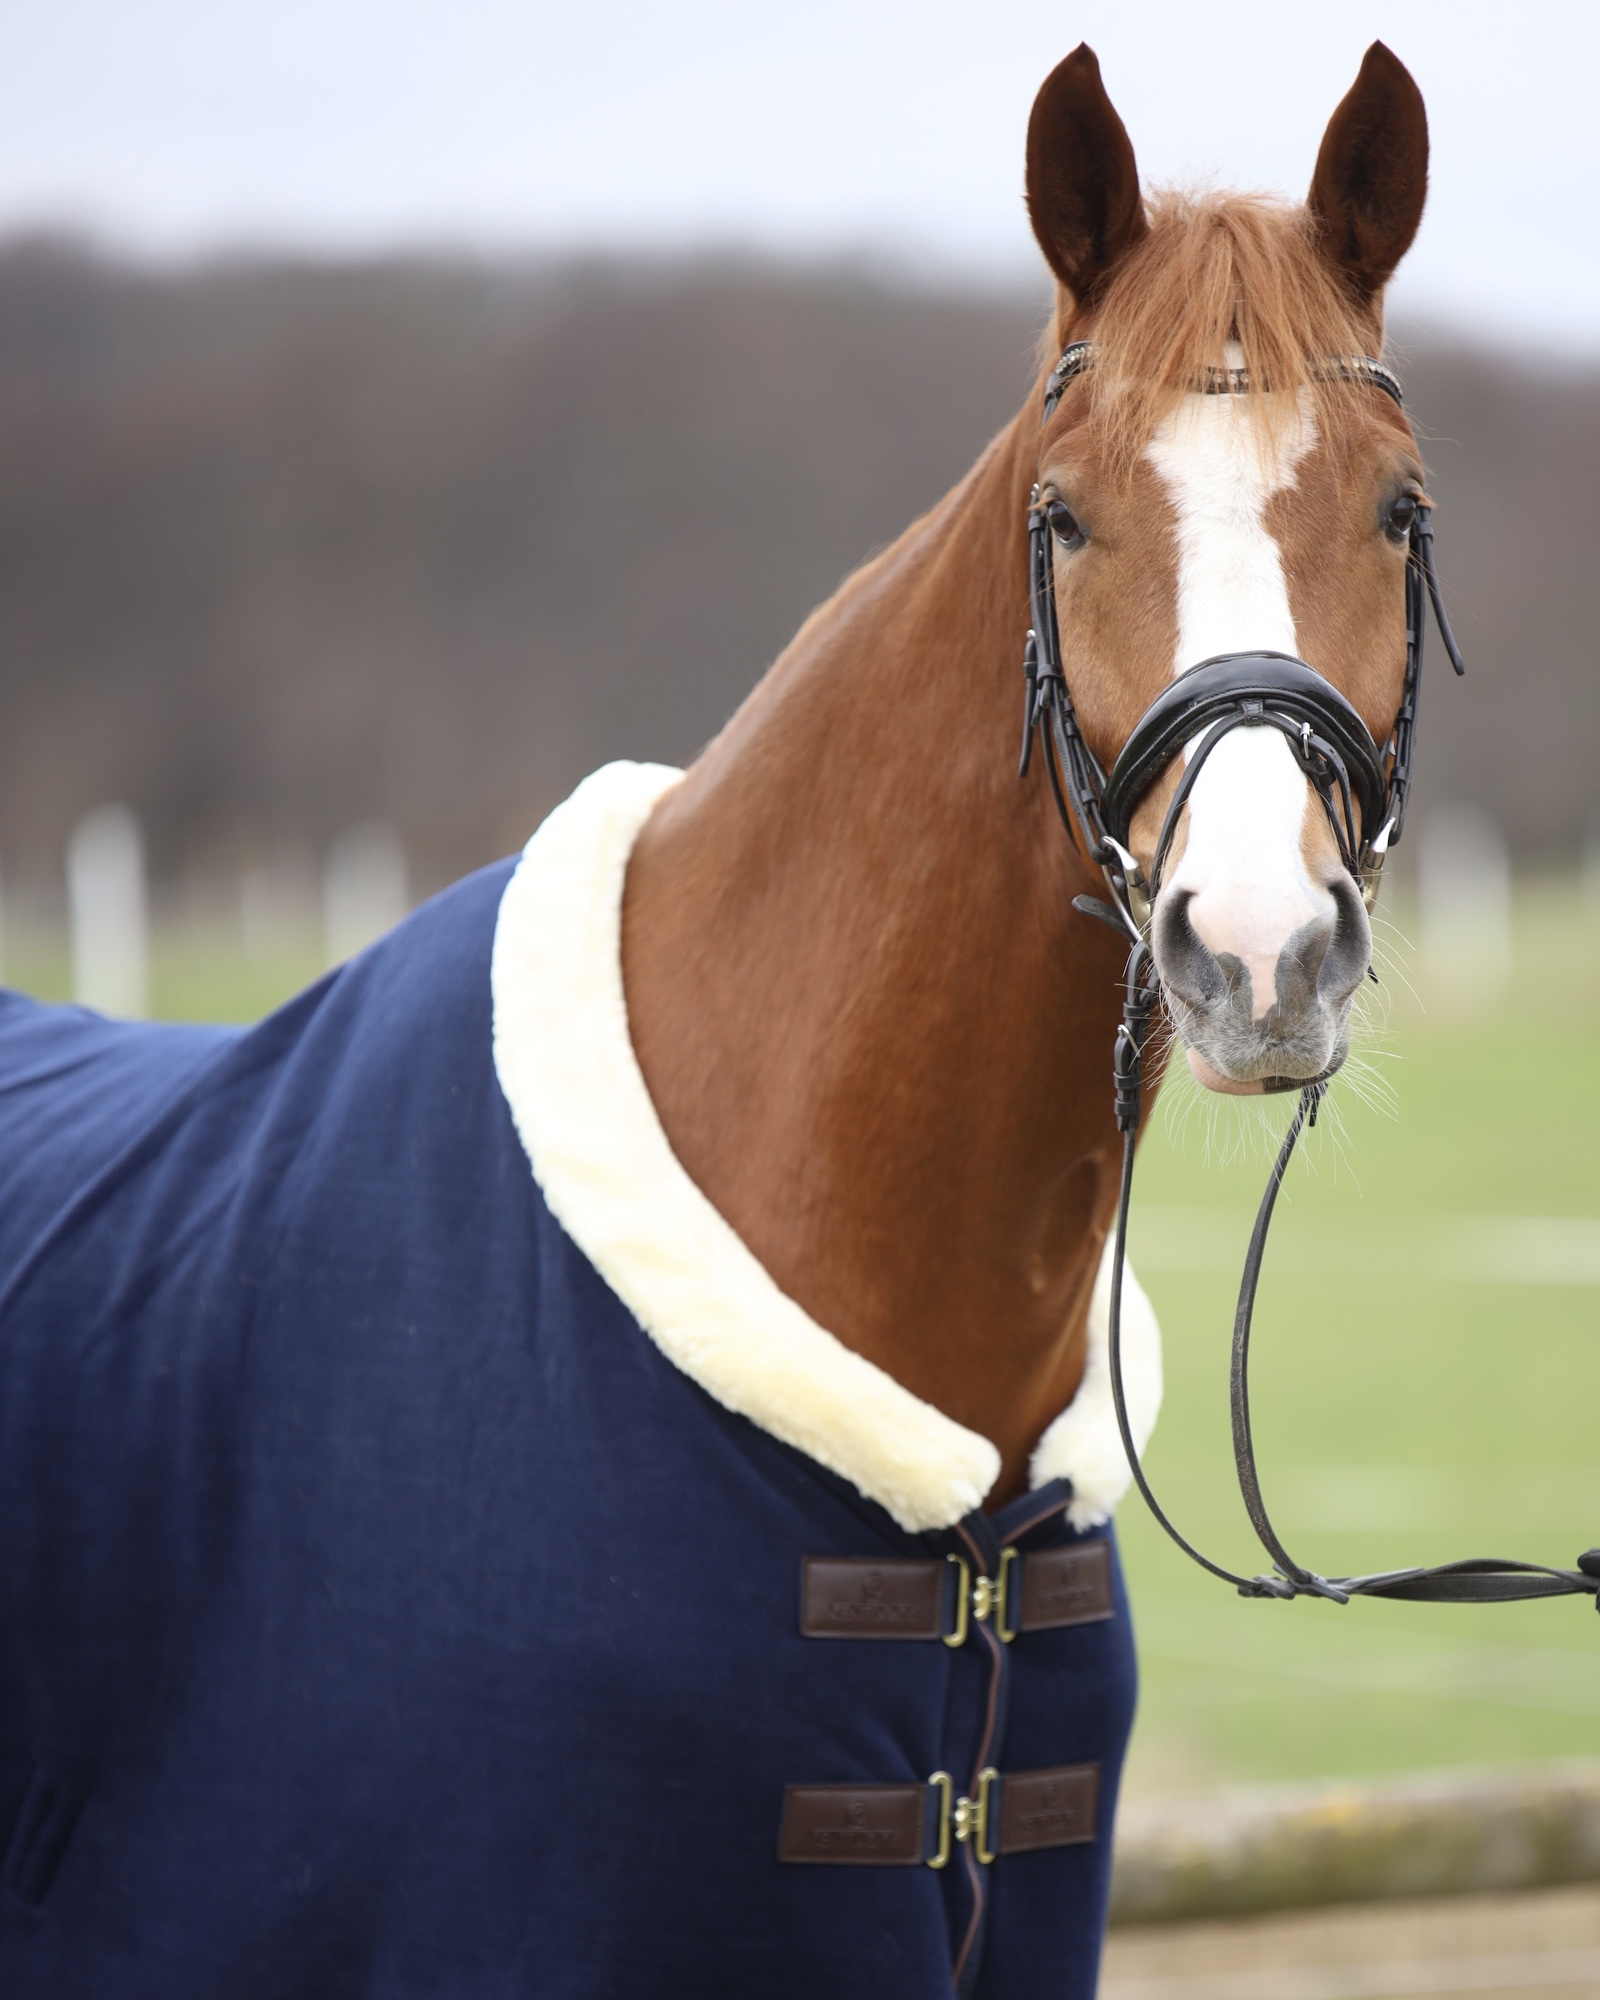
(944, 1784)
(991, 1595)
(964, 1594)
(1002, 1623)
(970, 1818)
(986, 1777)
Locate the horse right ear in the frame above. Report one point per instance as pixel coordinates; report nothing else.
(1372, 174)
(1083, 185)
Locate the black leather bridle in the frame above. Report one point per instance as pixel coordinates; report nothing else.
(1364, 790)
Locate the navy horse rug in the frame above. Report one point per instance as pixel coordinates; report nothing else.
(438, 1560)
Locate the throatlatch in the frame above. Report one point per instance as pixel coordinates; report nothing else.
(1349, 772)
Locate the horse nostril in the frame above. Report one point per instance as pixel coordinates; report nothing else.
(1189, 969)
(1326, 959)
(1348, 952)
(1301, 962)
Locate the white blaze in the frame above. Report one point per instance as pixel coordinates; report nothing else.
(1242, 863)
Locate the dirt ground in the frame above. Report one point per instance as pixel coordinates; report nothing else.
(1494, 1947)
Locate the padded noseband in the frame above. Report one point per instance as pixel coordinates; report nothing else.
(1243, 689)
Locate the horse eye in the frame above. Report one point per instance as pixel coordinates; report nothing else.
(1065, 526)
(1398, 520)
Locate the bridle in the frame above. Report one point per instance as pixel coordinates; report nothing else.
(1361, 787)
(1329, 740)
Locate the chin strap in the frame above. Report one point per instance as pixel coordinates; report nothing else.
(1476, 1580)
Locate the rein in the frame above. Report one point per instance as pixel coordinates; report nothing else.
(1349, 771)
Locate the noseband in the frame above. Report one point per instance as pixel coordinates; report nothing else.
(1362, 787)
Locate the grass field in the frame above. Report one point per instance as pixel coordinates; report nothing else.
(1428, 1380)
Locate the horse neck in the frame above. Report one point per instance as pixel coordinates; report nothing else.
(876, 1032)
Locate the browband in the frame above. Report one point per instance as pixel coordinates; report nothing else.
(1235, 381)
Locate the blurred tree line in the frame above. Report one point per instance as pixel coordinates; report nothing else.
(285, 545)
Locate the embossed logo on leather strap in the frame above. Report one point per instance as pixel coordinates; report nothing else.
(1069, 1586)
(881, 1826)
(850, 1597)
(1051, 1808)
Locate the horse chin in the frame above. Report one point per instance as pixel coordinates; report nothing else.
(1213, 1078)
(1206, 1072)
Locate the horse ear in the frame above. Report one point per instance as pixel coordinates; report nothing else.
(1372, 174)
(1083, 185)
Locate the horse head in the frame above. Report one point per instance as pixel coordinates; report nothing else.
(1221, 478)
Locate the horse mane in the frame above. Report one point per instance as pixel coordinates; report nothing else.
(1214, 271)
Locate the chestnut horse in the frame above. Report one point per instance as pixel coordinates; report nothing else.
(398, 1592)
(873, 1024)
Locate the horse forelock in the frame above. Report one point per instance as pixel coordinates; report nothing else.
(1240, 279)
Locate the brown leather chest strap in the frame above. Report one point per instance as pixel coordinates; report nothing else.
(858, 1597)
(901, 1825)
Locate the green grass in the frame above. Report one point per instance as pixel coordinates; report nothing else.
(198, 972)
(1419, 1393)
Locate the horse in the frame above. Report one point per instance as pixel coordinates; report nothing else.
(576, 1457)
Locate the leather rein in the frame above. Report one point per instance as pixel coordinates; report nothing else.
(1351, 775)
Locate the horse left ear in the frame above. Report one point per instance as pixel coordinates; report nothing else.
(1372, 174)
(1083, 185)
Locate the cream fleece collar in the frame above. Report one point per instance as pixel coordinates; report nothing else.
(566, 1064)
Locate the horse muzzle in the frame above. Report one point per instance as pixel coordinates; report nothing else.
(1264, 1022)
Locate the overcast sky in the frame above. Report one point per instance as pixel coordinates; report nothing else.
(885, 125)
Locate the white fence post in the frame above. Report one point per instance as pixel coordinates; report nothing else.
(1464, 886)
(364, 889)
(109, 914)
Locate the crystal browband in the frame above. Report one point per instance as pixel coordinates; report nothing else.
(1233, 381)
